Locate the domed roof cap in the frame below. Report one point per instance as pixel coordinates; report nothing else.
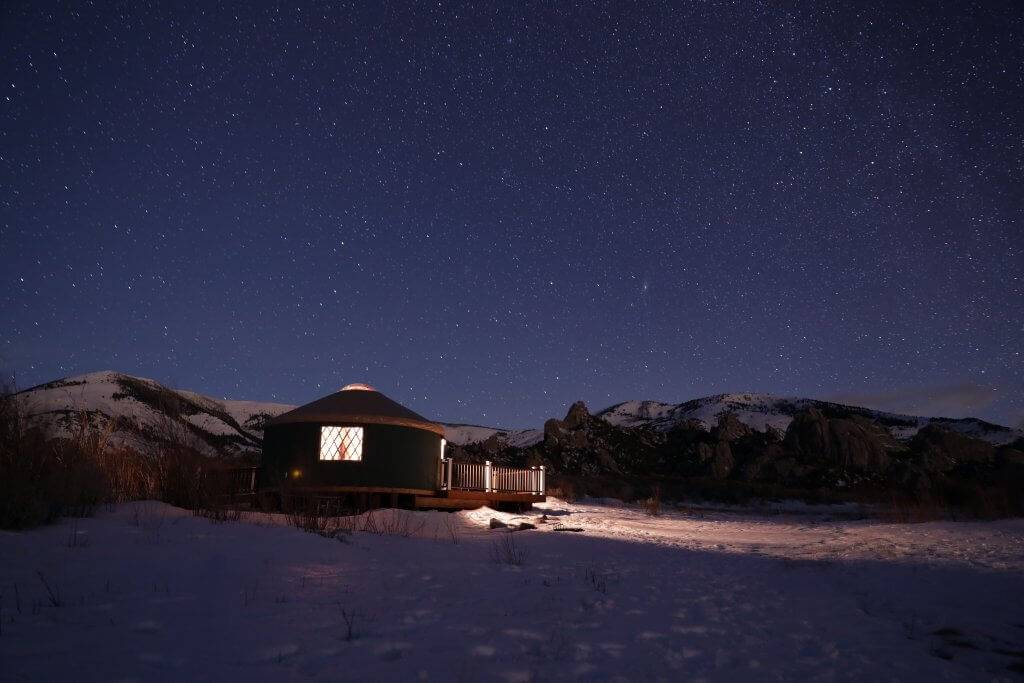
(357, 386)
(358, 404)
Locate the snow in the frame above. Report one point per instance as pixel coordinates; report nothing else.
(462, 434)
(149, 592)
(57, 405)
(465, 434)
(761, 411)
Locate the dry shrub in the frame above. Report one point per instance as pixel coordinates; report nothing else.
(323, 517)
(218, 513)
(219, 495)
(393, 523)
(904, 509)
(42, 479)
(451, 526)
(596, 579)
(997, 495)
(566, 490)
(27, 482)
(505, 550)
(652, 506)
(179, 473)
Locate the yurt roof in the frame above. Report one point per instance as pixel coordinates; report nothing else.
(357, 404)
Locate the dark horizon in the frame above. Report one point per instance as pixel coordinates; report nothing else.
(490, 212)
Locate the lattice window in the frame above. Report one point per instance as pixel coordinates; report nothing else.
(341, 443)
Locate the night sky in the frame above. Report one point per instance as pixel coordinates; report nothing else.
(490, 211)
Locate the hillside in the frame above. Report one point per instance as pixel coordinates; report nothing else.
(734, 445)
(760, 411)
(144, 410)
(141, 412)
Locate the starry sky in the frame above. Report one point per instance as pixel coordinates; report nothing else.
(490, 210)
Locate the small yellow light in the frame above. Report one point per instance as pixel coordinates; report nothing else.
(296, 474)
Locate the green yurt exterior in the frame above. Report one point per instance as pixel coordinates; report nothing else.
(356, 440)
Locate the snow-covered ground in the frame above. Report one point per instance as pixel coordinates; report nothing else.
(147, 592)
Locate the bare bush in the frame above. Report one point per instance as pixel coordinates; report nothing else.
(911, 510)
(52, 592)
(218, 514)
(75, 539)
(506, 550)
(566, 491)
(352, 622)
(321, 517)
(393, 523)
(42, 479)
(26, 468)
(596, 580)
(451, 525)
(652, 506)
(150, 520)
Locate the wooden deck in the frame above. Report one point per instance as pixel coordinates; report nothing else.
(460, 486)
(470, 500)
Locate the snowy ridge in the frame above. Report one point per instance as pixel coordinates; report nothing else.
(760, 411)
(461, 435)
(144, 410)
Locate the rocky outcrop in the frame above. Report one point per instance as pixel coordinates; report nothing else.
(577, 417)
(820, 451)
(851, 443)
(723, 462)
(568, 433)
(729, 428)
(941, 450)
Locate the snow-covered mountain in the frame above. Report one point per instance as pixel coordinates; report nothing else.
(760, 411)
(461, 435)
(146, 411)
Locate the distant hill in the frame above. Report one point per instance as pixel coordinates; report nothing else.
(145, 410)
(760, 411)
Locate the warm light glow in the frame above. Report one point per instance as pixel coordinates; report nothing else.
(357, 386)
(341, 443)
(443, 444)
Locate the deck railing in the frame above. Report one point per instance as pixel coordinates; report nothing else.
(471, 476)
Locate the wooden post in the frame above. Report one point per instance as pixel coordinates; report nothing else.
(541, 492)
(487, 476)
(451, 466)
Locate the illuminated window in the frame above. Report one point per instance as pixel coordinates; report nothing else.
(443, 444)
(341, 443)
